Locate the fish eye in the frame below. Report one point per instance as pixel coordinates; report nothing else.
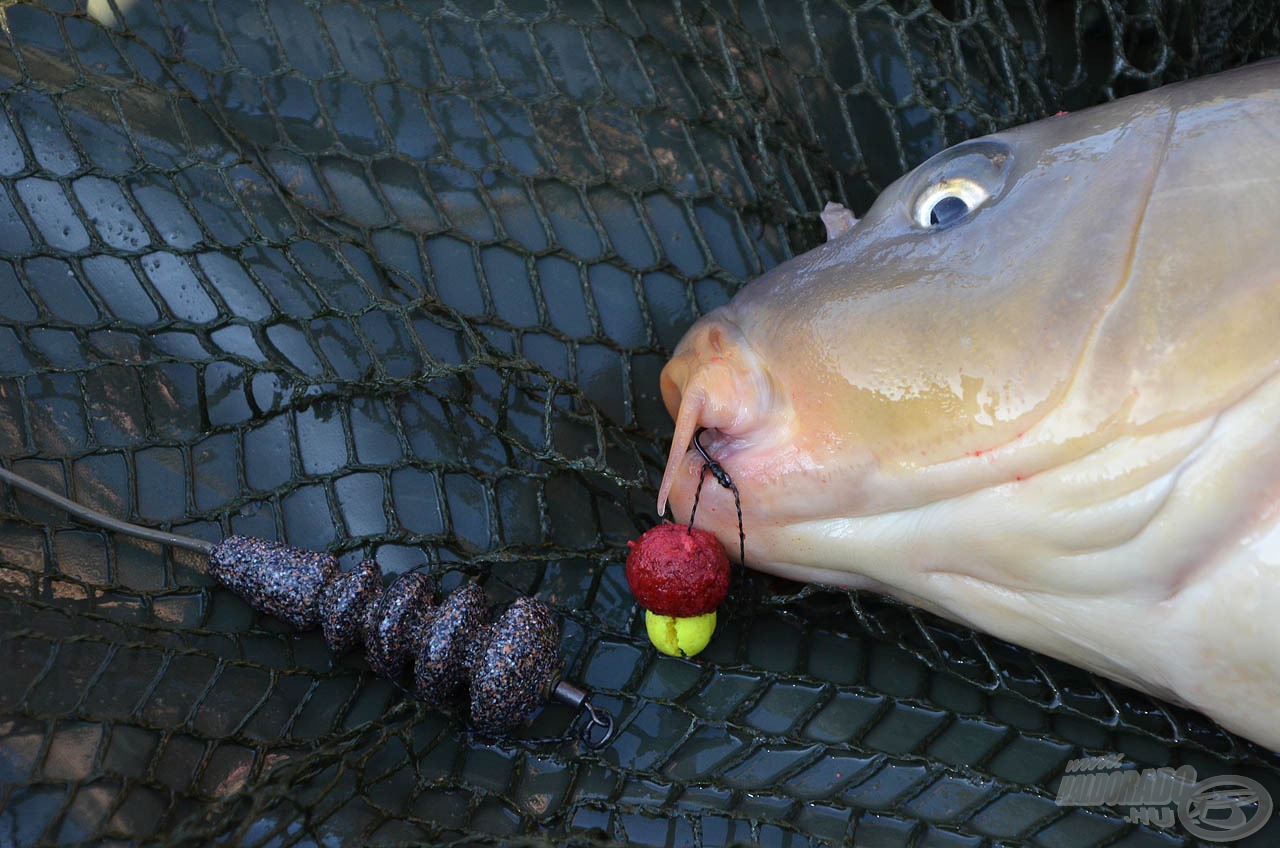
(948, 201)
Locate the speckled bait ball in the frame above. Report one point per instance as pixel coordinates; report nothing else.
(392, 624)
(344, 604)
(276, 579)
(441, 670)
(514, 667)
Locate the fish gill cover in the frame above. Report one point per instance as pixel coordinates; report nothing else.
(397, 279)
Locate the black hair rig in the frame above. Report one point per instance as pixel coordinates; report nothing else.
(498, 671)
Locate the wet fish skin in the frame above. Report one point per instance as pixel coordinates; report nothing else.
(1053, 419)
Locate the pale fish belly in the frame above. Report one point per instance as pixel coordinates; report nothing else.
(1170, 583)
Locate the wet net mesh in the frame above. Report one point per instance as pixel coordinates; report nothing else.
(397, 280)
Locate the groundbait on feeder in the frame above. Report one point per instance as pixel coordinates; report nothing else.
(500, 671)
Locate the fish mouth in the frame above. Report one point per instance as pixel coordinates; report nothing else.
(719, 460)
(699, 496)
(725, 466)
(715, 384)
(692, 468)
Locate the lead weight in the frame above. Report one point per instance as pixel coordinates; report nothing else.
(515, 664)
(392, 624)
(279, 580)
(440, 672)
(345, 602)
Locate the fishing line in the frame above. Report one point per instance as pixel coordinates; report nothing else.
(500, 670)
(92, 516)
(722, 477)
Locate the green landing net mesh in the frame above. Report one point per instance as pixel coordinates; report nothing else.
(397, 279)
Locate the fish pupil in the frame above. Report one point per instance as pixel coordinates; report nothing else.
(947, 209)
